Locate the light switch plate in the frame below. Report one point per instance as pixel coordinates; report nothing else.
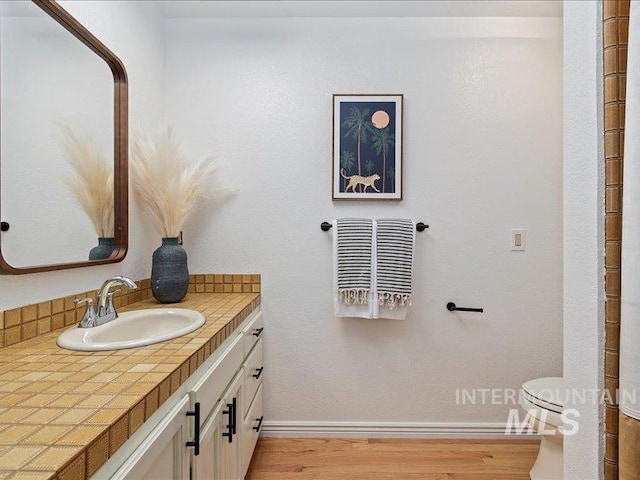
(518, 239)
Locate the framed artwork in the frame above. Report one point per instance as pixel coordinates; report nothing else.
(367, 147)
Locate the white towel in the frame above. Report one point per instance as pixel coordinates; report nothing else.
(373, 267)
(353, 263)
(395, 244)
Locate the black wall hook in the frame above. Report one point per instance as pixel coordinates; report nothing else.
(452, 308)
(420, 226)
(4, 226)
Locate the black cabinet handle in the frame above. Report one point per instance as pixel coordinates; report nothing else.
(230, 430)
(258, 373)
(259, 426)
(4, 226)
(258, 332)
(235, 415)
(195, 443)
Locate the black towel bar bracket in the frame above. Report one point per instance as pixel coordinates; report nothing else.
(453, 308)
(420, 227)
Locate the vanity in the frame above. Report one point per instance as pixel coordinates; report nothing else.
(185, 408)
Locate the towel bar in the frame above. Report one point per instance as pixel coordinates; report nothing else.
(453, 308)
(420, 227)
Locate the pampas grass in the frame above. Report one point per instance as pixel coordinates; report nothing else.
(92, 181)
(166, 182)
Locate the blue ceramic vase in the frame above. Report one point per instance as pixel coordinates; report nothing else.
(103, 250)
(169, 272)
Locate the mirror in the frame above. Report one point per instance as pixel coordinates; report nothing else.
(63, 142)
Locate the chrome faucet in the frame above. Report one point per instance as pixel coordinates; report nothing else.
(104, 311)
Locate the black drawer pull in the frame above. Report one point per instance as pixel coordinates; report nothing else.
(258, 332)
(259, 426)
(258, 373)
(230, 427)
(195, 443)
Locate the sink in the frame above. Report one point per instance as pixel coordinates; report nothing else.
(133, 329)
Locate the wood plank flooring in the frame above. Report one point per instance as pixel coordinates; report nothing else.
(382, 459)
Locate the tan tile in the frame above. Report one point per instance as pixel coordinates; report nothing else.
(104, 377)
(29, 313)
(136, 417)
(73, 416)
(16, 433)
(12, 335)
(17, 457)
(57, 305)
(152, 402)
(53, 458)
(44, 325)
(75, 470)
(105, 417)
(42, 416)
(67, 400)
(14, 415)
(31, 475)
(12, 317)
(97, 454)
(123, 401)
(95, 401)
(39, 400)
(29, 330)
(44, 309)
(82, 435)
(118, 434)
(57, 321)
(11, 387)
(13, 399)
(47, 435)
(113, 388)
(1, 320)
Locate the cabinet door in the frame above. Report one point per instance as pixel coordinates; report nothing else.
(163, 455)
(221, 437)
(251, 426)
(206, 465)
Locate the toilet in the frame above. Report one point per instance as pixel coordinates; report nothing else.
(543, 400)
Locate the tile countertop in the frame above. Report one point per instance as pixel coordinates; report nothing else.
(64, 413)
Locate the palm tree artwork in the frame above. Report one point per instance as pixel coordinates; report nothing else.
(382, 140)
(358, 126)
(347, 160)
(368, 166)
(368, 134)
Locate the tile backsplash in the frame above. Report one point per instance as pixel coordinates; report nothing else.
(23, 323)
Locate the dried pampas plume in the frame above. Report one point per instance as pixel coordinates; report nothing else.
(166, 182)
(92, 181)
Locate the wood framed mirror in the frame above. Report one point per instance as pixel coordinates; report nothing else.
(64, 105)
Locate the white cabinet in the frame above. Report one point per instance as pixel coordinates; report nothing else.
(163, 454)
(216, 412)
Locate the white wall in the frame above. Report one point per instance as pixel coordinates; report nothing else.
(134, 32)
(583, 231)
(482, 155)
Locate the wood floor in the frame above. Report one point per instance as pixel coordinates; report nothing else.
(381, 459)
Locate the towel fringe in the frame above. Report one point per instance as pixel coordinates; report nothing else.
(354, 296)
(393, 300)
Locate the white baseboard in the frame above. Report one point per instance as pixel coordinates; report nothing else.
(390, 430)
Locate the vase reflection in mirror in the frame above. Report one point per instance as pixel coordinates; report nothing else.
(103, 250)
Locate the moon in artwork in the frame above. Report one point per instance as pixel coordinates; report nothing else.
(380, 119)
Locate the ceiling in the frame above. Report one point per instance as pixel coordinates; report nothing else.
(361, 8)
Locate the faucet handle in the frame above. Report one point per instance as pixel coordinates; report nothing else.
(110, 308)
(89, 317)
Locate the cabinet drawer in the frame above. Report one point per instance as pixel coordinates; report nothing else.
(209, 389)
(251, 425)
(252, 333)
(253, 374)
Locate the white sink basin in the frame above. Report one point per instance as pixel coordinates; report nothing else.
(133, 329)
